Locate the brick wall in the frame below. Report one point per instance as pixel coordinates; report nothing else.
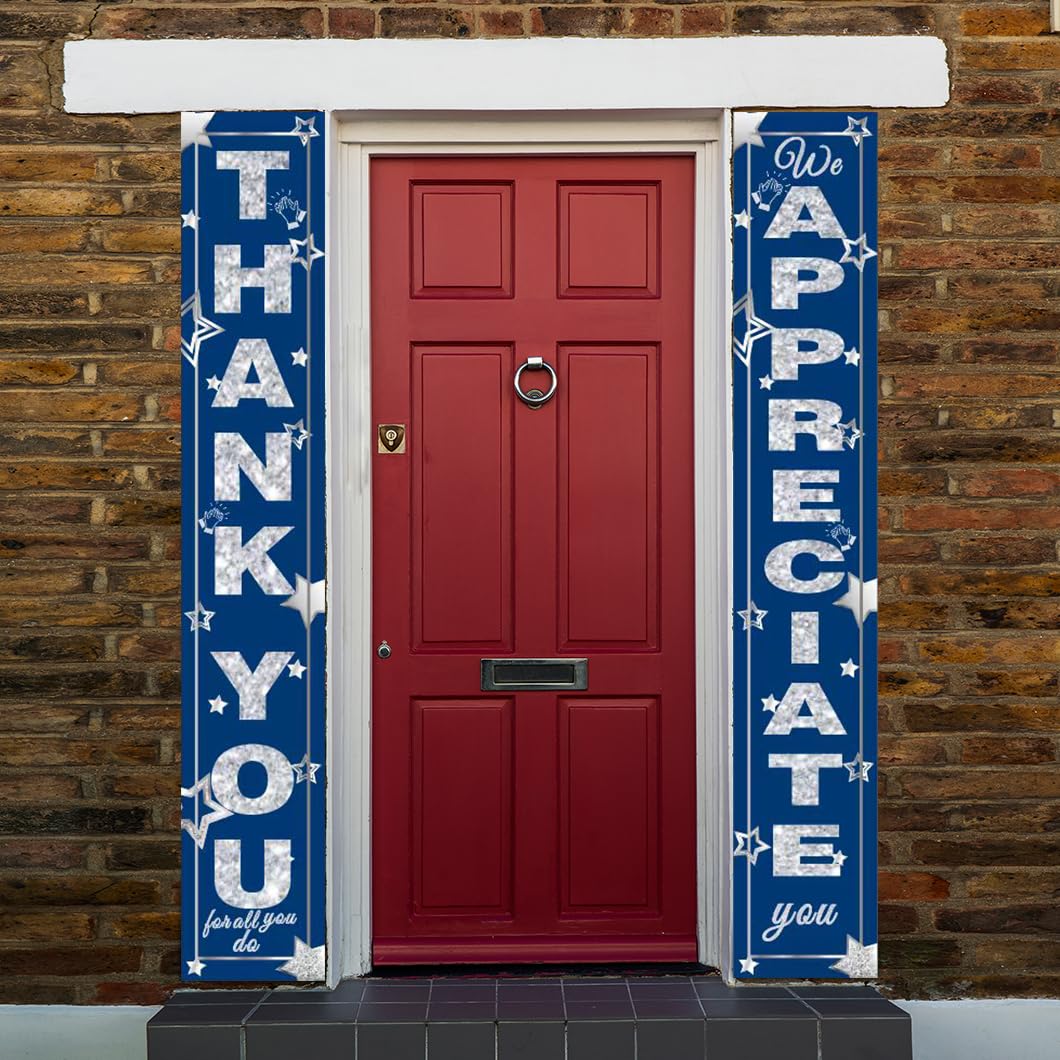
(970, 477)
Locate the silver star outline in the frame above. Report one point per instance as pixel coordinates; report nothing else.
(217, 812)
(864, 252)
(857, 129)
(311, 252)
(749, 845)
(860, 962)
(752, 617)
(858, 768)
(754, 328)
(202, 329)
(307, 964)
(297, 432)
(305, 770)
(856, 433)
(200, 617)
(304, 129)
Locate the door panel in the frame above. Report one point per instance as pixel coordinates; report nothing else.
(533, 825)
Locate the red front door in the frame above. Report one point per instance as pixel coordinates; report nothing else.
(540, 825)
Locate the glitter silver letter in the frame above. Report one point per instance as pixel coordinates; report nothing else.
(781, 558)
(232, 559)
(252, 686)
(824, 427)
(279, 779)
(788, 714)
(232, 454)
(256, 354)
(805, 775)
(788, 217)
(788, 850)
(252, 166)
(787, 286)
(788, 496)
(228, 874)
(230, 277)
(805, 636)
(788, 353)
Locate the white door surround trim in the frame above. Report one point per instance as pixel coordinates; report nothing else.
(162, 76)
(349, 491)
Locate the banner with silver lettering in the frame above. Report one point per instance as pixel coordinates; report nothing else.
(252, 333)
(804, 545)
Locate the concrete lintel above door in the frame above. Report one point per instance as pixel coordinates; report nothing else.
(151, 76)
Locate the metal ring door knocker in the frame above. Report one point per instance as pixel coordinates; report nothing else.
(535, 398)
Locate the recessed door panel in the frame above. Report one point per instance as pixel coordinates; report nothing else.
(552, 819)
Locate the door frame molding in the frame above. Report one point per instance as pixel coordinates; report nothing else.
(359, 137)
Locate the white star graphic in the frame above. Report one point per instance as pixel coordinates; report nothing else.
(305, 770)
(765, 382)
(202, 329)
(303, 129)
(217, 812)
(189, 220)
(213, 383)
(193, 127)
(295, 669)
(217, 705)
(749, 845)
(770, 703)
(857, 129)
(864, 252)
(311, 252)
(860, 961)
(752, 617)
(839, 858)
(742, 219)
(858, 768)
(848, 668)
(307, 964)
(754, 328)
(748, 965)
(745, 128)
(852, 356)
(297, 432)
(307, 600)
(860, 597)
(200, 617)
(195, 967)
(299, 357)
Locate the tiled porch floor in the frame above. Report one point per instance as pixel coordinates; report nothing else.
(547, 1018)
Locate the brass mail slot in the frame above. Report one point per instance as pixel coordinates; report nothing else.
(534, 675)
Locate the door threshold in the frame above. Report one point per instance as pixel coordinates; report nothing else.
(535, 950)
(514, 970)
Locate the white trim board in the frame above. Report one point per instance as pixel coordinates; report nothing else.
(350, 441)
(161, 76)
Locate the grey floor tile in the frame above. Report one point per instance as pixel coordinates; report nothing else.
(716, 988)
(463, 992)
(201, 1015)
(674, 988)
(520, 992)
(671, 1040)
(461, 1041)
(600, 1041)
(596, 991)
(667, 1008)
(462, 1011)
(392, 992)
(866, 1039)
(336, 1041)
(307, 1012)
(530, 1041)
(752, 1039)
(392, 1012)
(737, 1008)
(217, 997)
(856, 1008)
(348, 990)
(523, 1011)
(295, 996)
(838, 991)
(599, 1010)
(202, 1043)
(389, 1041)
(530, 980)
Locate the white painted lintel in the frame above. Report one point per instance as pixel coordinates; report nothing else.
(164, 76)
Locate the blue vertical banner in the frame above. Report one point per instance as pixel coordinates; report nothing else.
(252, 329)
(804, 546)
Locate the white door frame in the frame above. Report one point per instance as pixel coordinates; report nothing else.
(350, 444)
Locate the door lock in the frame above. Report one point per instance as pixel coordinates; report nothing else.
(384, 650)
